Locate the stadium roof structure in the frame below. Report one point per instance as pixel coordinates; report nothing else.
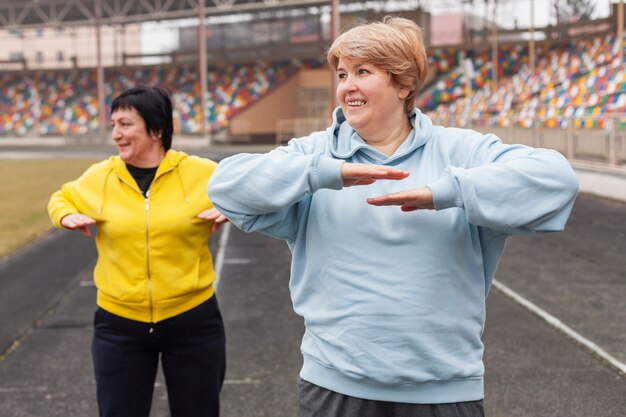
(16, 14)
(19, 14)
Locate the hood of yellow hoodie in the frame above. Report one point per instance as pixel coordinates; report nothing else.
(171, 160)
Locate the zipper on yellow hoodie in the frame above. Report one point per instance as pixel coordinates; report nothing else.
(152, 329)
(150, 300)
(147, 206)
(147, 199)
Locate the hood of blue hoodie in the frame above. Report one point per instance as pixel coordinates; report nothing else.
(345, 141)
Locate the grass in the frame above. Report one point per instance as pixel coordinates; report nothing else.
(25, 187)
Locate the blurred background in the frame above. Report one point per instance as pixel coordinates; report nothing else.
(543, 72)
(546, 73)
(247, 75)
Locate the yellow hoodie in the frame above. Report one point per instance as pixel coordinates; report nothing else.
(153, 256)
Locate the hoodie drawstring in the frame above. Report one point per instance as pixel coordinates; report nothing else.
(182, 182)
(102, 195)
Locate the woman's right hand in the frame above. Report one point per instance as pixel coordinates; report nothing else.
(214, 215)
(77, 221)
(365, 174)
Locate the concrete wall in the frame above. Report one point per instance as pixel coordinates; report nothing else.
(600, 181)
(50, 48)
(260, 119)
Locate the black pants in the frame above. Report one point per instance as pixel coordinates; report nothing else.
(191, 347)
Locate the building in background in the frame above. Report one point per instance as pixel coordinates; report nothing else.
(67, 47)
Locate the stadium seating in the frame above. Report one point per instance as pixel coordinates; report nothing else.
(573, 82)
(65, 102)
(451, 84)
(17, 104)
(576, 82)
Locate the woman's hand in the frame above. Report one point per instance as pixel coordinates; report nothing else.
(410, 200)
(77, 221)
(213, 215)
(365, 174)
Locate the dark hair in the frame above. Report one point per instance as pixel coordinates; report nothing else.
(154, 105)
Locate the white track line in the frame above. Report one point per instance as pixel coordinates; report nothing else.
(221, 250)
(561, 326)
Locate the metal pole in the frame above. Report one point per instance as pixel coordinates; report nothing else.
(202, 68)
(334, 33)
(620, 32)
(494, 46)
(100, 74)
(124, 44)
(37, 109)
(612, 138)
(115, 44)
(531, 45)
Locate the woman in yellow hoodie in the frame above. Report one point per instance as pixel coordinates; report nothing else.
(154, 272)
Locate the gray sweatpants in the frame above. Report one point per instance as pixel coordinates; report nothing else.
(316, 401)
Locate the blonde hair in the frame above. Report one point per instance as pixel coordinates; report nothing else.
(394, 45)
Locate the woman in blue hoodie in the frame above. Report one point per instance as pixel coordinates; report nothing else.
(396, 228)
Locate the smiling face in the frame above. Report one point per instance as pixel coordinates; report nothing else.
(135, 145)
(370, 100)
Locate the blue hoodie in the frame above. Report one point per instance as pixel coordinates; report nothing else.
(394, 302)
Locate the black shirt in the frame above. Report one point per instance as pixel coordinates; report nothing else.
(143, 177)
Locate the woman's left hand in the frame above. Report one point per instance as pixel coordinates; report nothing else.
(213, 215)
(366, 174)
(410, 200)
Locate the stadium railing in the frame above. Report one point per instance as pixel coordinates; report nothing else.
(287, 129)
(603, 146)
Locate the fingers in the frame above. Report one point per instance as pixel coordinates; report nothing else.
(210, 214)
(394, 174)
(394, 199)
(214, 215)
(364, 174)
(216, 226)
(221, 219)
(85, 231)
(383, 174)
(418, 199)
(77, 221)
